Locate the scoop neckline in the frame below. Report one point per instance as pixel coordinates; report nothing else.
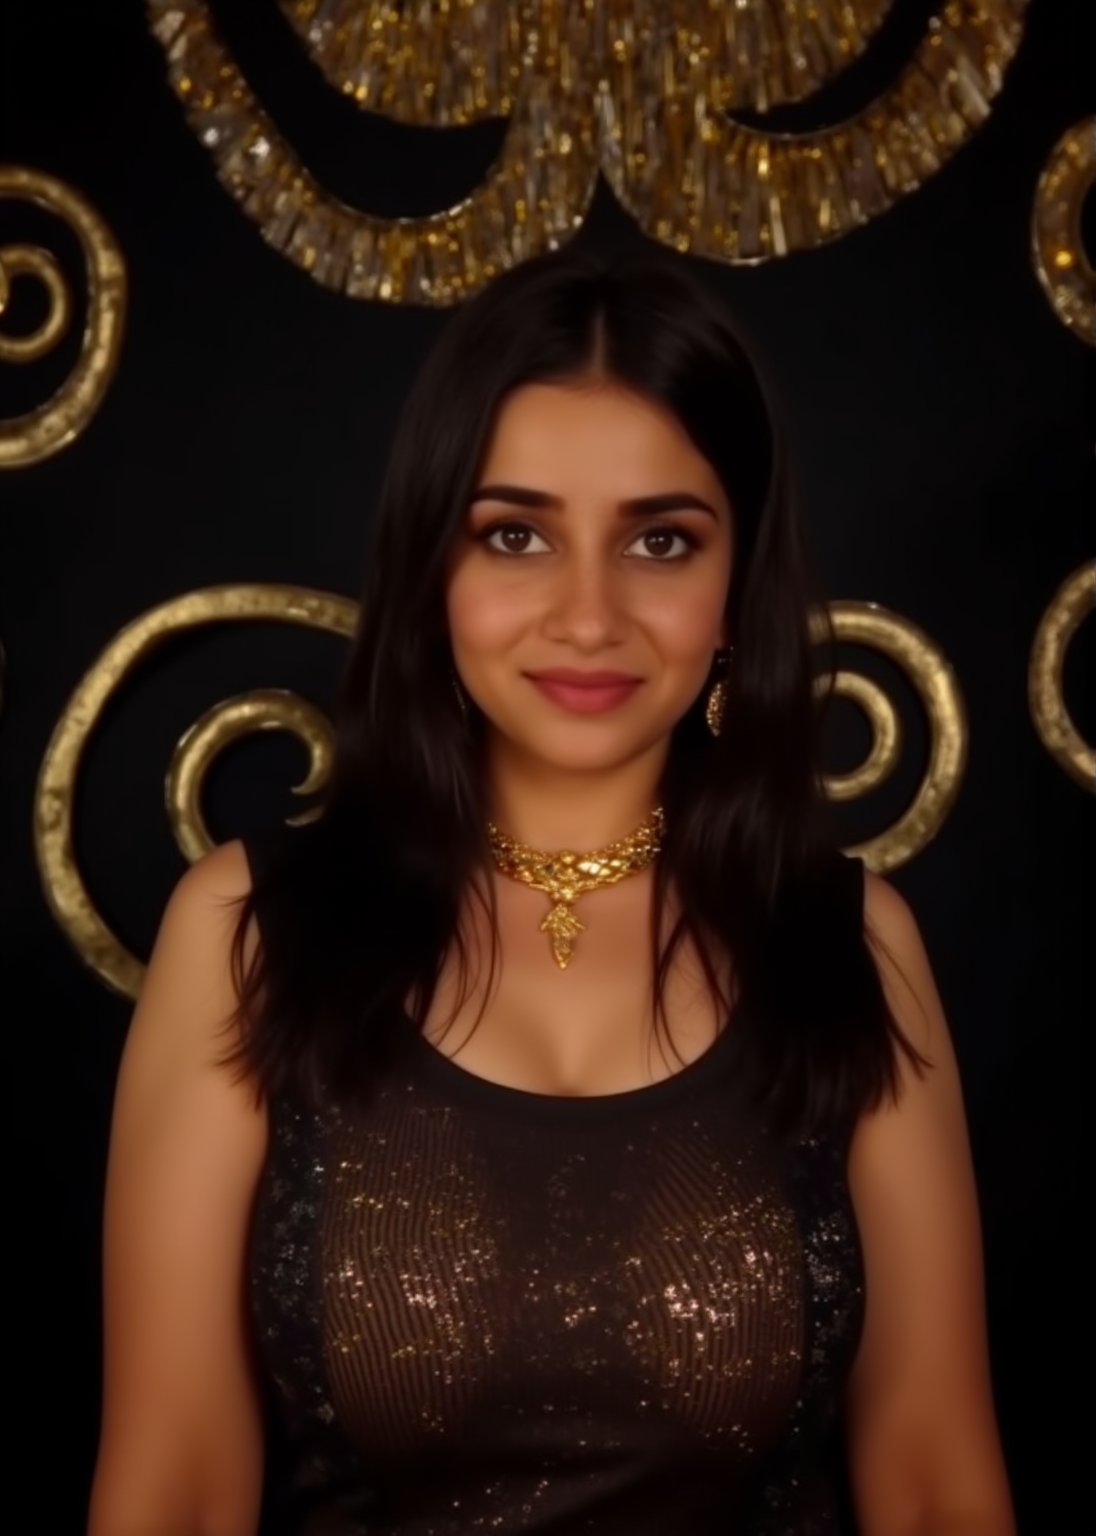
(504, 1098)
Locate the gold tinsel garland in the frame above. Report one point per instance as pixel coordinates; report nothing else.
(639, 90)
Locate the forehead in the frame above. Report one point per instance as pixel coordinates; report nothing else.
(597, 437)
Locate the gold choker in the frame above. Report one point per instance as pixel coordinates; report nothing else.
(566, 875)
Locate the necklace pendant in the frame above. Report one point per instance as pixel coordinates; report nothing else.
(564, 874)
(562, 927)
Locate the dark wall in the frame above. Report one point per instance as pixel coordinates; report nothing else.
(940, 418)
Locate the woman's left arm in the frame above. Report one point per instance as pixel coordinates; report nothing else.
(924, 1452)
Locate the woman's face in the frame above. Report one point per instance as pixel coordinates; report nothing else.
(598, 540)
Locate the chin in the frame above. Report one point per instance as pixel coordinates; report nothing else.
(585, 746)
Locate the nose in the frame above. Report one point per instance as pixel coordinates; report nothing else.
(585, 607)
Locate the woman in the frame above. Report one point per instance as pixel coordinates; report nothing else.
(541, 1279)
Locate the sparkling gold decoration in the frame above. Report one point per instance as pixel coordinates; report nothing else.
(566, 875)
(436, 64)
(1061, 264)
(716, 706)
(441, 63)
(64, 888)
(1075, 598)
(640, 88)
(47, 429)
(700, 182)
(908, 646)
(533, 198)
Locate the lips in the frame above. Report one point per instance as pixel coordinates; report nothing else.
(585, 693)
(577, 678)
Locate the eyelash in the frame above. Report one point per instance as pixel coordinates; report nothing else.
(681, 533)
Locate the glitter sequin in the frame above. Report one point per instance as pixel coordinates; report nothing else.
(501, 1311)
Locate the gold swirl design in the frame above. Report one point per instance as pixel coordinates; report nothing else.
(886, 732)
(32, 261)
(637, 88)
(64, 888)
(1057, 250)
(437, 64)
(1074, 599)
(533, 198)
(263, 709)
(697, 181)
(29, 438)
(937, 687)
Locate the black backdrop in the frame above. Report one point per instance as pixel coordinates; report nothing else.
(939, 415)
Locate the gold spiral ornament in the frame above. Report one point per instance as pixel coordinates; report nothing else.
(65, 891)
(1058, 252)
(1074, 599)
(262, 709)
(640, 89)
(58, 421)
(33, 261)
(937, 687)
(887, 737)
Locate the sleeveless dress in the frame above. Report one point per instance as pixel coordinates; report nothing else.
(482, 1309)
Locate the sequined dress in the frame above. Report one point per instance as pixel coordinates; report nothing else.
(480, 1308)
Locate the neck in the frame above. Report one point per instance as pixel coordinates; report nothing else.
(544, 806)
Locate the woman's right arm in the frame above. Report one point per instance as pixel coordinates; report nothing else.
(181, 1450)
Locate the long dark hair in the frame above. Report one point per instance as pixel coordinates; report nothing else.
(358, 908)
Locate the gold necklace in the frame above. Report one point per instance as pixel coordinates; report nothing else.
(566, 875)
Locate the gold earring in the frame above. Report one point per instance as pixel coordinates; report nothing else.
(717, 698)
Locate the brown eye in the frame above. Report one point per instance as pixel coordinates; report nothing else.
(514, 538)
(658, 544)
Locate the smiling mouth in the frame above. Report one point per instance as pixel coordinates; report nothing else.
(585, 697)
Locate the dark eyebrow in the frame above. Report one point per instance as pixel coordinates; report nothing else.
(637, 506)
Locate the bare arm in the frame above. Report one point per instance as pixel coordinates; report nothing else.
(925, 1456)
(180, 1452)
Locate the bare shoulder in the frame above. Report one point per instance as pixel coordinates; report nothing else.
(219, 876)
(884, 902)
(903, 962)
(189, 996)
(201, 913)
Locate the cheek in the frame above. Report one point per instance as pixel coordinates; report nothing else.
(483, 614)
(684, 623)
